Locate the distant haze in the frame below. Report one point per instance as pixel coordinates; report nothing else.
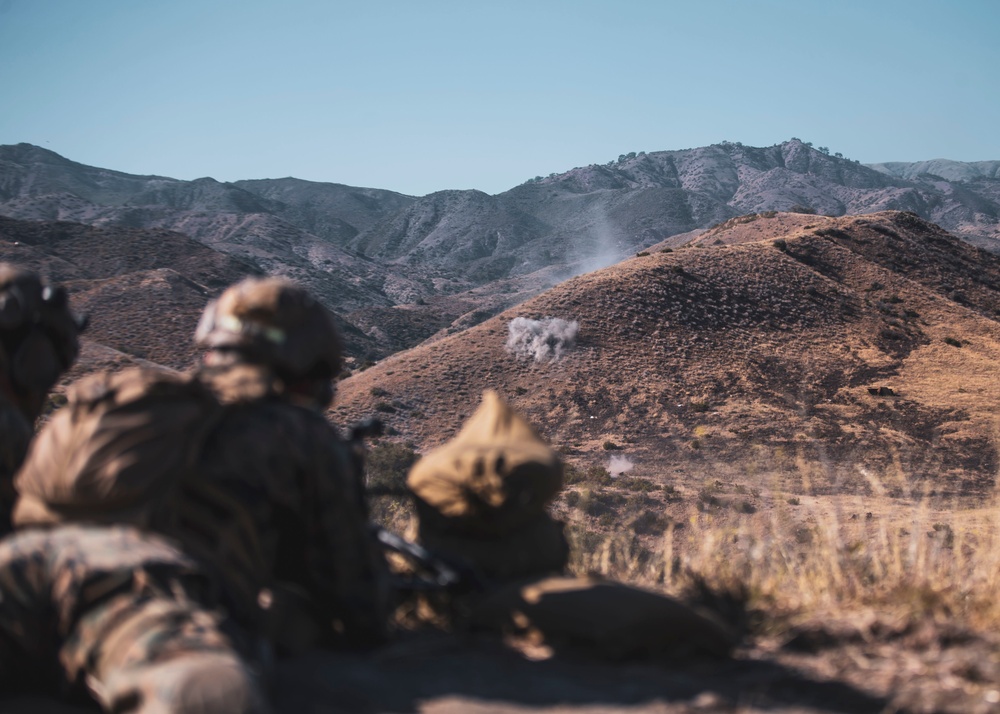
(420, 97)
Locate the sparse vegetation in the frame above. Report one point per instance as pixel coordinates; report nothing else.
(650, 523)
(640, 485)
(707, 497)
(386, 466)
(753, 471)
(592, 475)
(912, 561)
(952, 341)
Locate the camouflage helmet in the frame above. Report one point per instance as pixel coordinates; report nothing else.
(38, 331)
(275, 322)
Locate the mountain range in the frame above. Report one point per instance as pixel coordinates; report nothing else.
(438, 263)
(766, 327)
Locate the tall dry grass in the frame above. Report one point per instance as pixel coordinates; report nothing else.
(833, 555)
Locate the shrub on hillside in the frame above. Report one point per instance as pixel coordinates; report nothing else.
(637, 484)
(386, 467)
(594, 475)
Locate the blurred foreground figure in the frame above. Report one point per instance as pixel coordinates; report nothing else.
(482, 498)
(266, 535)
(38, 342)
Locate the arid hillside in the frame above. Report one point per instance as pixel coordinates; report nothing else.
(143, 289)
(713, 398)
(760, 355)
(380, 256)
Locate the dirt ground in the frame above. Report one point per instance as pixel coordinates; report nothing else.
(818, 667)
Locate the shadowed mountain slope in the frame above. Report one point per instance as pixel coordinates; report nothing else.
(598, 213)
(759, 350)
(36, 184)
(72, 250)
(376, 256)
(328, 210)
(143, 289)
(941, 168)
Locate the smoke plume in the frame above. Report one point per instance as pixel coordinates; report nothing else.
(619, 465)
(541, 340)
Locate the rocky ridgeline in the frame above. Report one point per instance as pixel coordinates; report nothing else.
(365, 249)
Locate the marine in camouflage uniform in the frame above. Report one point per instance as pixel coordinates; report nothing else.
(482, 498)
(269, 513)
(38, 342)
(122, 614)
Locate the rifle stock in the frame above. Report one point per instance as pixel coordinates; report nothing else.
(437, 572)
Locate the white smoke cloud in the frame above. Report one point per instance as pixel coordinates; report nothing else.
(604, 246)
(541, 340)
(619, 465)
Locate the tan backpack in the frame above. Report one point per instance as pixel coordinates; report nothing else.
(492, 478)
(609, 620)
(116, 449)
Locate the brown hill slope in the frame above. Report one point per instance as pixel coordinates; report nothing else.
(149, 314)
(74, 250)
(144, 288)
(758, 355)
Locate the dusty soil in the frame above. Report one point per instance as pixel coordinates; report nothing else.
(842, 667)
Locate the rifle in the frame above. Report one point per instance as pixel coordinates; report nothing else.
(433, 571)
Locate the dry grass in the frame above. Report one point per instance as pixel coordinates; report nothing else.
(888, 551)
(809, 557)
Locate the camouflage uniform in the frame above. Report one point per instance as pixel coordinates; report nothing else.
(299, 525)
(111, 610)
(15, 435)
(482, 498)
(270, 508)
(38, 343)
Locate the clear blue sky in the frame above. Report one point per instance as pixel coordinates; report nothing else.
(422, 95)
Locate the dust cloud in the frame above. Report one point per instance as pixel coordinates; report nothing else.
(542, 340)
(619, 465)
